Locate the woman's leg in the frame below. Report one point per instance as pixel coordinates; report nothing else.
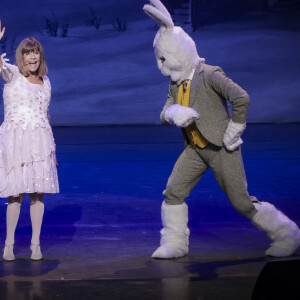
(12, 217)
(36, 215)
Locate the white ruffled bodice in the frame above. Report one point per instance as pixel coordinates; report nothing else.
(24, 102)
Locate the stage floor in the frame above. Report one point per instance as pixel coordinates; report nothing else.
(100, 231)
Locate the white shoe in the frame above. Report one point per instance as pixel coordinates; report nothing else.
(284, 233)
(8, 253)
(169, 251)
(36, 253)
(174, 240)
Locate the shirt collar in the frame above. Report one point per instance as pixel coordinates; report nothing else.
(190, 77)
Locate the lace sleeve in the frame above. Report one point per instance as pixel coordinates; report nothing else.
(8, 72)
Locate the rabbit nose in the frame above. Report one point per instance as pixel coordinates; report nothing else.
(165, 73)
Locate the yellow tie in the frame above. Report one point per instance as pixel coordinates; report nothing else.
(185, 85)
(194, 135)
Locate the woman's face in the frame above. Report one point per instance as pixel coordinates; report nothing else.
(32, 60)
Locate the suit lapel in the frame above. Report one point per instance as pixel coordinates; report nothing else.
(175, 90)
(195, 84)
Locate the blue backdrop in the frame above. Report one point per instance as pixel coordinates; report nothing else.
(102, 66)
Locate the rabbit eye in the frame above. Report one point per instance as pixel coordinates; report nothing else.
(162, 59)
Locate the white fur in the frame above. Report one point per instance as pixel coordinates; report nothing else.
(232, 137)
(181, 116)
(179, 51)
(157, 11)
(173, 44)
(175, 234)
(284, 233)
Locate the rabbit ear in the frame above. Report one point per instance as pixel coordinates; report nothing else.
(158, 4)
(157, 11)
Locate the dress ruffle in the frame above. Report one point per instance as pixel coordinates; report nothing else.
(27, 160)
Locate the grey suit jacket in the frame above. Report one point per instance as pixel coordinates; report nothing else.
(209, 95)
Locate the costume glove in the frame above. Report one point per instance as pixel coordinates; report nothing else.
(181, 116)
(232, 137)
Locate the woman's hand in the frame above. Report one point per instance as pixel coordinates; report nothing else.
(1, 31)
(3, 60)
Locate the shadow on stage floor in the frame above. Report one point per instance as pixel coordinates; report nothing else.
(99, 232)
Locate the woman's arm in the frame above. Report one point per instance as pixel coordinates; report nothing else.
(1, 36)
(7, 71)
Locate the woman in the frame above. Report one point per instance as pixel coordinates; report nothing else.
(27, 148)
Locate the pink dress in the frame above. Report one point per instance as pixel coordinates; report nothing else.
(27, 147)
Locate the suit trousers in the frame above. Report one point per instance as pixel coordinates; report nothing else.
(227, 167)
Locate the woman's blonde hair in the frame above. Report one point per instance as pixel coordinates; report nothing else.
(26, 46)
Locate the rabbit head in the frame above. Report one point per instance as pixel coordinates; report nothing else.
(175, 50)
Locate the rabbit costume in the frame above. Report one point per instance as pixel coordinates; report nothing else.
(198, 103)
